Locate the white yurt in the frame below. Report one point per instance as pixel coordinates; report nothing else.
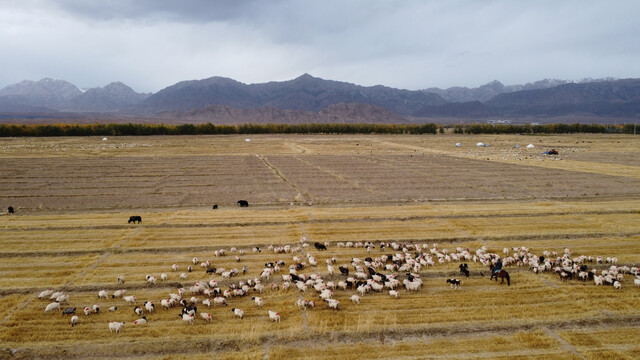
(530, 146)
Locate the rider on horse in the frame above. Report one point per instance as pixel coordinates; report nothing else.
(497, 267)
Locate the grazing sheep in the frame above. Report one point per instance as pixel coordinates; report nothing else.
(118, 293)
(113, 308)
(206, 302)
(174, 267)
(130, 299)
(206, 316)
(302, 305)
(187, 318)
(55, 295)
(140, 321)
(115, 326)
(45, 293)
(393, 293)
(183, 276)
(238, 313)
(121, 279)
(63, 298)
(87, 310)
(218, 300)
(636, 282)
(163, 277)
(74, 320)
(96, 309)
(149, 306)
(69, 311)
(258, 301)
(103, 294)
(333, 304)
(274, 316)
(617, 285)
(152, 280)
(355, 299)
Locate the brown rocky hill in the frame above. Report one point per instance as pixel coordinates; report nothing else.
(338, 113)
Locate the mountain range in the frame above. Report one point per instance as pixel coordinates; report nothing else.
(311, 99)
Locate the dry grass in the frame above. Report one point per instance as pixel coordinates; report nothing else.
(364, 188)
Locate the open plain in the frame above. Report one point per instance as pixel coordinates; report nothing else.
(73, 196)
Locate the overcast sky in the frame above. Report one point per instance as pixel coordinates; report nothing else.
(152, 44)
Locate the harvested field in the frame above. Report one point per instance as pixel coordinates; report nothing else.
(73, 197)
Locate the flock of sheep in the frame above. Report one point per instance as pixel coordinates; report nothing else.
(401, 264)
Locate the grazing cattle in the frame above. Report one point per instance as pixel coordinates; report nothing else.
(10, 209)
(319, 246)
(134, 219)
(215, 206)
(243, 203)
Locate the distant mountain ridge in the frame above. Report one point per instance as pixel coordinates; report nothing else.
(59, 95)
(306, 93)
(311, 99)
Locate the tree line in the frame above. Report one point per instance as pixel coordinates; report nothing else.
(14, 130)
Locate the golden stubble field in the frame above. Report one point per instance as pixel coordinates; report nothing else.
(73, 197)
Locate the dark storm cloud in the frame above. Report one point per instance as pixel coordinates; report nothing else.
(406, 44)
(183, 11)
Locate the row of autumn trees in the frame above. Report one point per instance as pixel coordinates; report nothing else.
(12, 130)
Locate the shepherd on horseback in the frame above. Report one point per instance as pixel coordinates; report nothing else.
(497, 272)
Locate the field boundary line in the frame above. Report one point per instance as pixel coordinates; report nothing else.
(442, 240)
(338, 220)
(279, 174)
(340, 177)
(346, 338)
(563, 343)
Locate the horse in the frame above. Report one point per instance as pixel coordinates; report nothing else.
(464, 269)
(501, 274)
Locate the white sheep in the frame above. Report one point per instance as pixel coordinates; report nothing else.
(131, 299)
(187, 318)
(113, 308)
(219, 300)
(636, 282)
(118, 293)
(140, 321)
(87, 310)
(617, 285)
(149, 306)
(103, 294)
(274, 316)
(258, 301)
(355, 299)
(183, 276)
(55, 295)
(115, 326)
(206, 302)
(167, 304)
(96, 309)
(206, 316)
(63, 298)
(52, 306)
(74, 320)
(120, 279)
(174, 267)
(163, 277)
(393, 293)
(238, 313)
(333, 303)
(301, 304)
(152, 280)
(45, 293)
